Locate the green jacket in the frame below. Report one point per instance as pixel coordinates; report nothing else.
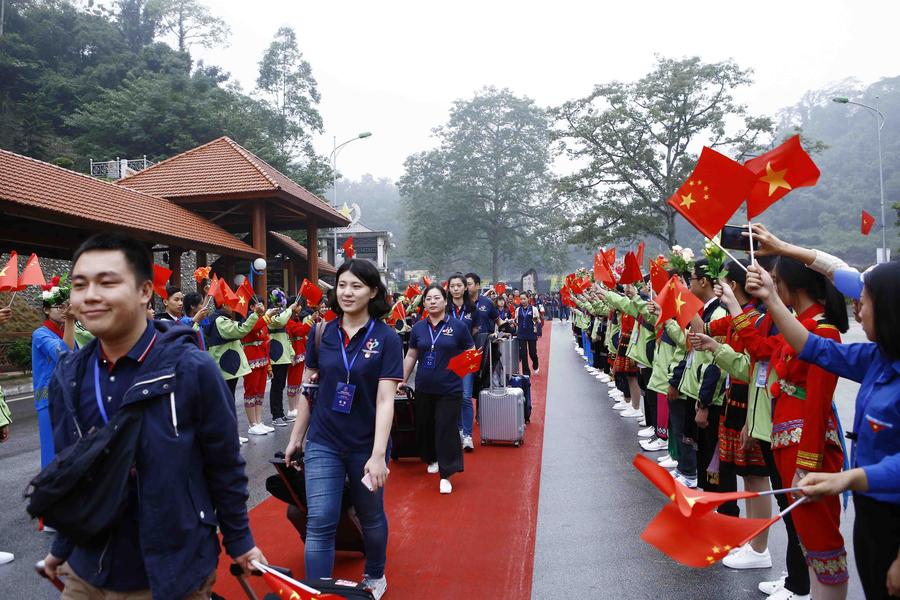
(5, 415)
(642, 342)
(670, 351)
(759, 402)
(230, 334)
(701, 379)
(281, 351)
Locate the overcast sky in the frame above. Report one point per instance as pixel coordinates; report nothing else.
(394, 68)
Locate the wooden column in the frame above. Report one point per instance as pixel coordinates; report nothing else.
(312, 249)
(258, 232)
(201, 258)
(229, 270)
(290, 285)
(175, 266)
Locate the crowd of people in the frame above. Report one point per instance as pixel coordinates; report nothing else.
(747, 391)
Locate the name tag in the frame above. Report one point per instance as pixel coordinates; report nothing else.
(343, 397)
(762, 373)
(429, 361)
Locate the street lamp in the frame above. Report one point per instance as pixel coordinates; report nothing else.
(879, 124)
(333, 158)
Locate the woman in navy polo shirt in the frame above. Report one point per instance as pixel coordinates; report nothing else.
(433, 341)
(461, 307)
(527, 317)
(357, 364)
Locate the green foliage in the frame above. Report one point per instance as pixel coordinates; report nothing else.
(19, 354)
(190, 22)
(638, 142)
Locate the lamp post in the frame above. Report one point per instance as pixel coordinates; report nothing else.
(879, 123)
(333, 158)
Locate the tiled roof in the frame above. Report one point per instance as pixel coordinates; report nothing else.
(94, 204)
(295, 247)
(223, 167)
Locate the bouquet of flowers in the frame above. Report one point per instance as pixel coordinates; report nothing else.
(681, 259)
(201, 273)
(57, 291)
(715, 257)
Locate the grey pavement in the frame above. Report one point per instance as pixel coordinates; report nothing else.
(594, 505)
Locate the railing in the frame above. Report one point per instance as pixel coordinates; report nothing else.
(119, 168)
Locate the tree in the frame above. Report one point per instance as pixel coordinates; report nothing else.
(189, 22)
(138, 20)
(639, 141)
(490, 173)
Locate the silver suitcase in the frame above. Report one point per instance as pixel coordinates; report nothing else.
(509, 357)
(501, 415)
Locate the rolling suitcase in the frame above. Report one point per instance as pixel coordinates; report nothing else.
(508, 349)
(523, 382)
(403, 429)
(501, 415)
(330, 588)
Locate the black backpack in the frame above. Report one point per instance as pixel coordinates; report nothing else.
(83, 491)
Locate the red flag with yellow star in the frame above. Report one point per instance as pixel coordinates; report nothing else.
(244, 295)
(658, 277)
(632, 271)
(868, 221)
(466, 362)
(500, 288)
(160, 278)
(602, 271)
(311, 292)
(779, 171)
(700, 541)
(676, 302)
(349, 251)
(714, 191)
(9, 275)
(640, 253)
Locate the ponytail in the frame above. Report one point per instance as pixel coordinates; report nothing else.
(797, 276)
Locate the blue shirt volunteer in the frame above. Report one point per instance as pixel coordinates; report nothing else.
(486, 315)
(525, 322)
(343, 415)
(463, 313)
(436, 346)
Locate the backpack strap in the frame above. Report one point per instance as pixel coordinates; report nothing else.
(320, 329)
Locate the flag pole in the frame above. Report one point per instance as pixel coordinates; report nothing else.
(795, 504)
(729, 254)
(750, 230)
(12, 299)
(781, 491)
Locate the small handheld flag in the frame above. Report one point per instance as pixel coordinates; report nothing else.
(868, 221)
(161, 277)
(349, 251)
(466, 362)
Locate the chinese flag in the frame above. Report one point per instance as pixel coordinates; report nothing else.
(349, 252)
(632, 271)
(500, 288)
(610, 256)
(677, 302)
(244, 295)
(779, 171)
(564, 296)
(31, 274)
(466, 362)
(215, 290)
(713, 192)
(658, 277)
(288, 587)
(398, 313)
(329, 315)
(703, 540)
(640, 253)
(426, 281)
(867, 222)
(602, 272)
(412, 291)
(160, 279)
(311, 292)
(9, 279)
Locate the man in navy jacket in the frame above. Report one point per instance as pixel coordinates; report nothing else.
(188, 478)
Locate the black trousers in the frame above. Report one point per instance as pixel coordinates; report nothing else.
(528, 348)
(437, 433)
(798, 575)
(649, 396)
(876, 540)
(276, 392)
(232, 385)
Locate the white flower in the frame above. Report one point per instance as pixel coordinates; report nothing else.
(54, 290)
(45, 295)
(676, 248)
(687, 253)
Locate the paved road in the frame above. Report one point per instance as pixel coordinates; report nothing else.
(592, 505)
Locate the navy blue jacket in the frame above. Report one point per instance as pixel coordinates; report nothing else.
(190, 473)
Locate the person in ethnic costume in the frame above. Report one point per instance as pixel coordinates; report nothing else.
(281, 355)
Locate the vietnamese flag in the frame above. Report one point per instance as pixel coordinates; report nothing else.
(632, 271)
(9, 275)
(31, 274)
(713, 192)
(867, 222)
(311, 292)
(500, 288)
(349, 251)
(230, 298)
(658, 277)
(466, 362)
(700, 541)
(640, 253)
(677, 302)
(215, 290)
(244, 295)
(161, 277)
(779, 171)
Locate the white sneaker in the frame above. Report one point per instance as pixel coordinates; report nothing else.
(48, 529)
(647, 432)
(631, 413)
(590, 369)
(669, 463)
(6, 557)
(433, 468)
(446, 486)
(689, 482)
(292, 413)
(664, 458)
(377, 586)
(603, 377)
(748, 558)
(622, 405)
(257, 429)
(654, 445)
(243, 440)
(536, 371)
(266, 427)
(467, 444)
(771, 587)
(611, 383)
(786, 594)
(643, 423)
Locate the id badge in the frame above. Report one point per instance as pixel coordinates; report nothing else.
(762, 373)
(343, 397)
(430, 360)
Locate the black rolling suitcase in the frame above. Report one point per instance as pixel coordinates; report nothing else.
(341, 588)
(403, 429)
(289, 486)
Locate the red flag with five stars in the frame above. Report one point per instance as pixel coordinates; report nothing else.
(9, 275)
(329, 315)
(779, 171)
(658, 277)
(349, 251)
(714, 191)
(602, 272)
(160, 279)
(412, 291)
(500, 288)
(398, 313)
(676, 302)
(867, 222)
(244, 295)
(31, 274)
(640, 253)
(609, 256)
(632, 271)
(311, 292)
(466, 362)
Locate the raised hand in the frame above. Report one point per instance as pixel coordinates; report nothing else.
(759, 283)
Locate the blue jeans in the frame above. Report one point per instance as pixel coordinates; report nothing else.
(325, 470)
(467, 413)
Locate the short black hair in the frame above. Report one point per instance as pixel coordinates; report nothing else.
(137, 255)
(369, 275)
(435, 286)
(700, 271)
(173, 289)
(474, 277)
(191, 300)
(883, 288)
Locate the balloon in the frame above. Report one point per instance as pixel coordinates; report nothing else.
(259, 264)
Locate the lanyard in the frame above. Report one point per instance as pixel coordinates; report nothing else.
(97, 392)
(525, 312)
(349, 365)
(459, 314)
(435, 336)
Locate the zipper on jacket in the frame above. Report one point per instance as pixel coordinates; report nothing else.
(102, 555)
(174, 417)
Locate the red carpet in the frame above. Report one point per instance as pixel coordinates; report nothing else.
(476, 542)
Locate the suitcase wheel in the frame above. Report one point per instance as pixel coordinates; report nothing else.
(517, 444)
(484, 442)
